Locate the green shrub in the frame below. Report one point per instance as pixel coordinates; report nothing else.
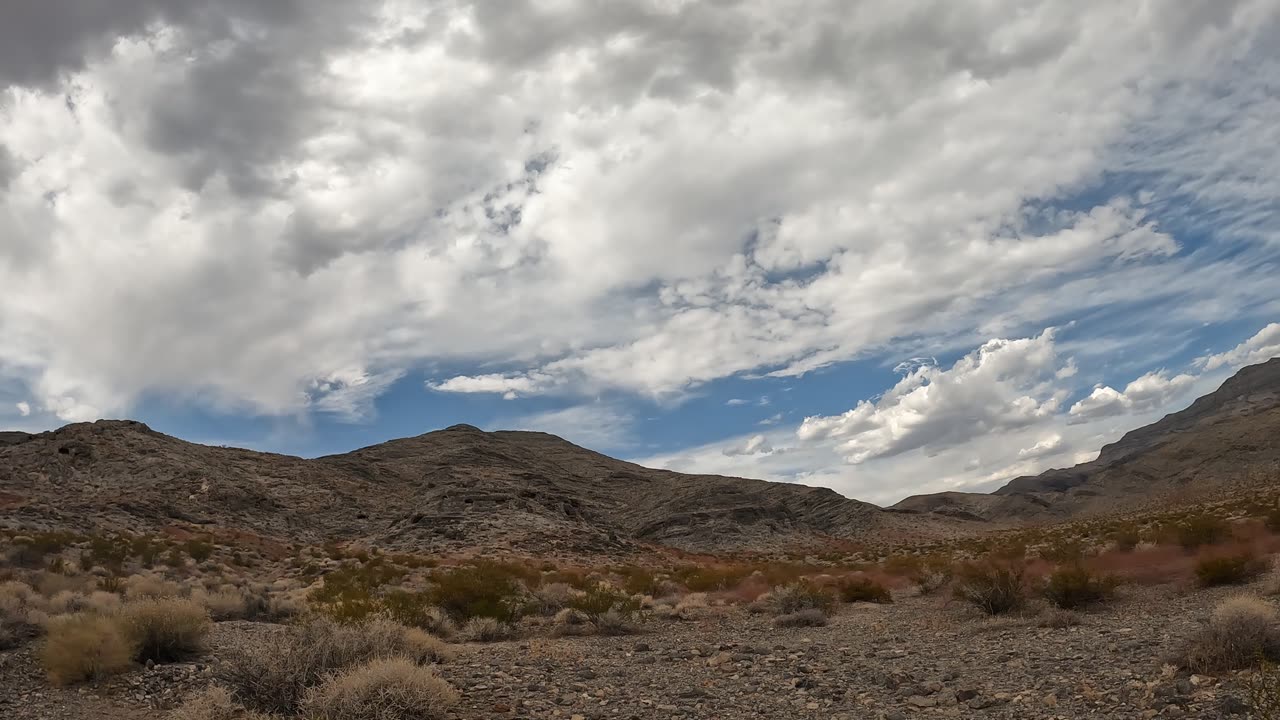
(863, 589)
(1201, 530)
(1228, 569)
(165, 629)
(993, 586)
(84, 647)
(1073, 586)
(484, 590)
(602, 599)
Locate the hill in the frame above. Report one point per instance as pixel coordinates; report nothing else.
(452, 490)
(1227, 439)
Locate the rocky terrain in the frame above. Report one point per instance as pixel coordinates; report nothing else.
(1223, 441)
(452, 490)
(921, 657)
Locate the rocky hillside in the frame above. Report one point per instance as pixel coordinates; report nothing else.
(1229, 438)
(452, 490)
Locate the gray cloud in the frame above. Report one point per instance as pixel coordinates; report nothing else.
(634, 195)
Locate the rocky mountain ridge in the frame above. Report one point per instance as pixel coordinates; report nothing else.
(451, 490)
(1228, 438)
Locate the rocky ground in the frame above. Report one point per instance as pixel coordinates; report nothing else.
(917, 658)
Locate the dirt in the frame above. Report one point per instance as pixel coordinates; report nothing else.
(919, 657)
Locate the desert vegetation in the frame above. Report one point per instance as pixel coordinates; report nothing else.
(358, 632)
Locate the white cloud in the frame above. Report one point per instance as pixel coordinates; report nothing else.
(594, 426)
(910, 449)
(1002, 386)
(24, 408)
(657, 195)
(1155, 389)
(755, 445)
(509, 387)
(733, 402)
(1261, 347)
(1044, 446)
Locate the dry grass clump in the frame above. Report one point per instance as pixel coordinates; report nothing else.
(487, 629)
(165, 629)
(422, 647)
(214, 703)
(274, 677)
(808, 617)
(552, 597)
(1242, 632)
(993, 587)
(382, 689)
(224, 604)
(139, 587)
(1074, 586)
(569, 622)
(84, 647)
(1231, 568)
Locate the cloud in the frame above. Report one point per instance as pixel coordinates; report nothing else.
(1045, 446)
(755, 445)
(1261, 347)
(509, 387)
(24, 408)
(733, 402)
(1004, 385)
(596, 426)
(636, 210)
(1154, 389)
(909, 449)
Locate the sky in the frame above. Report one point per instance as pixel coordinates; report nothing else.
(882, 246)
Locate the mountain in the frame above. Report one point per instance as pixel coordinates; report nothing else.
(1228, 438)
(453, 490)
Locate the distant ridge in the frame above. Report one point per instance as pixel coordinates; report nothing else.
(1228, 438)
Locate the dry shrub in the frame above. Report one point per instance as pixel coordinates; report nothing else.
(273, 676)
(1262, 688)
(223, 604)
(138, 587)
(863, 589)
(102, 603)
(615, 622)
(550, 598)
(1074, 586)
(1148, 565)
(808, 617)
(571, 622)
(67, 602)
(802, 595)
(214, 703)
(1229, 568)
(165, 629)
(84, 647)
(1242, 632)
(383, 689)
(50, 584)
(422, 647)
(487, 629)
(993, 586)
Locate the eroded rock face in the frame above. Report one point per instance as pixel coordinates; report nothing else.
(453, 489)
(1228, 438)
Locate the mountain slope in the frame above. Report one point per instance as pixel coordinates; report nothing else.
(451, 490)
(1228, 438)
